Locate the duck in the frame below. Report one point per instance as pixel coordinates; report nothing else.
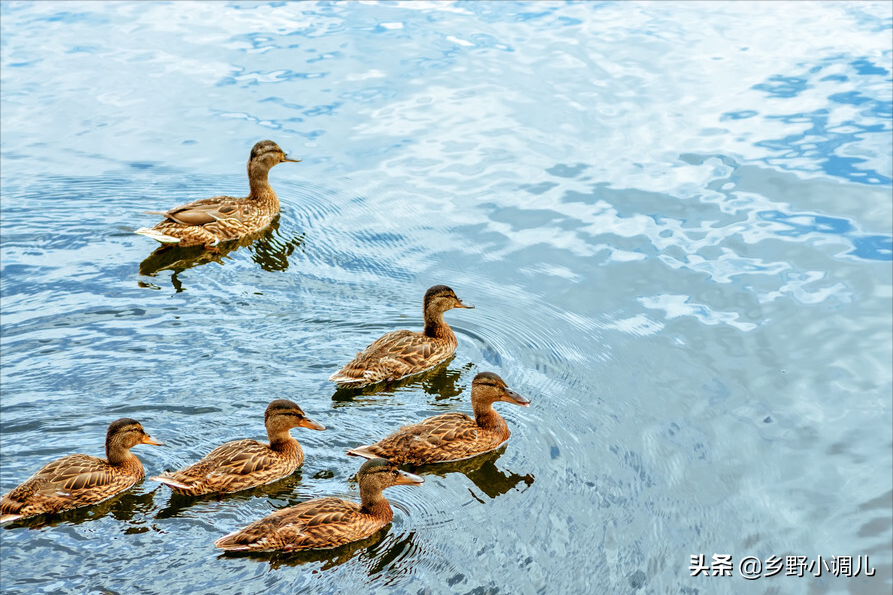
(325, 523)
(243, 464)
(210, 221)
(403, 353)
(451, 436)
(78, 480)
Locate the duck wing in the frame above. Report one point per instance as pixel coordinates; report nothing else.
(447, 437)
(315, 524)
(394, 355)
(69, 482)
(231, 467)
(79, 472)
(211, 210)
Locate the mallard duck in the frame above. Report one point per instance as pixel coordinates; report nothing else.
(221, 218)
(451, 436)
(403, 353)
(243, 464)
(81, 480)
(325, 523)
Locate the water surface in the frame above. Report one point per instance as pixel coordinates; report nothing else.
(674, 221)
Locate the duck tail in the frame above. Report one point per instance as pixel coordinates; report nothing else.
(171, 482)
(157, 235)
(239, 541)
(343, 380)
(362, 451)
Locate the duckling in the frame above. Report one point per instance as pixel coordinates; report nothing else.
(325, 523)
(221, 218)
(81, 480)
(403, 353)
(451, 436)
(243, 464)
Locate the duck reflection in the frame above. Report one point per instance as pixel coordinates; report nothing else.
(446, 384)
(483, 473)
(481, 470)
(268, 249)
(376, 553)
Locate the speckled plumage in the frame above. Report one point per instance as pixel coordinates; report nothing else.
(244, 464)
(451, 436)
(325, 523)
(80, 480)
(403, 353)
(222, 218)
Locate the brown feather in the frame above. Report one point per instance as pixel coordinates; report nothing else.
(450, 436)
(222, 218)
(244, 464)
(323, 523)
(439, 439)
(317, 524)
(393, 356)
(403, 353)
(81, 480)
(236, 466)
(71, 482)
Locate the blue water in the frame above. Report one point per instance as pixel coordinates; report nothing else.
(674, 220)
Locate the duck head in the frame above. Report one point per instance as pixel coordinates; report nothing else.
(282, 415)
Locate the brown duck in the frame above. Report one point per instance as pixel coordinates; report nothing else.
(325, 523)
(243, 464)
(451, 436)
(221, 218)
(403, 353)
(81, 480)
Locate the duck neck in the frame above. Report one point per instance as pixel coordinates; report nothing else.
(115, 452)
(436, 327)
(374, 503)
(282, 441)
(486, 417)
(260, 188)
(119, 456)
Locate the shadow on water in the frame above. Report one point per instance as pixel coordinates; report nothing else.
(482, 471)
(267, 249)
(376, 553)
(441, 382)
(121, 508)
(181, 502)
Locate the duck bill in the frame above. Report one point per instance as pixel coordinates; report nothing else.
(310, 424)
(290, 160)
(404, 478)
(511, 396)
(461, 305)
(149, 440)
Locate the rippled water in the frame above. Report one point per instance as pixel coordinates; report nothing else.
(674, 220)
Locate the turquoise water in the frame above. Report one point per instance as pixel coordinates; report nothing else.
(674, 220)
